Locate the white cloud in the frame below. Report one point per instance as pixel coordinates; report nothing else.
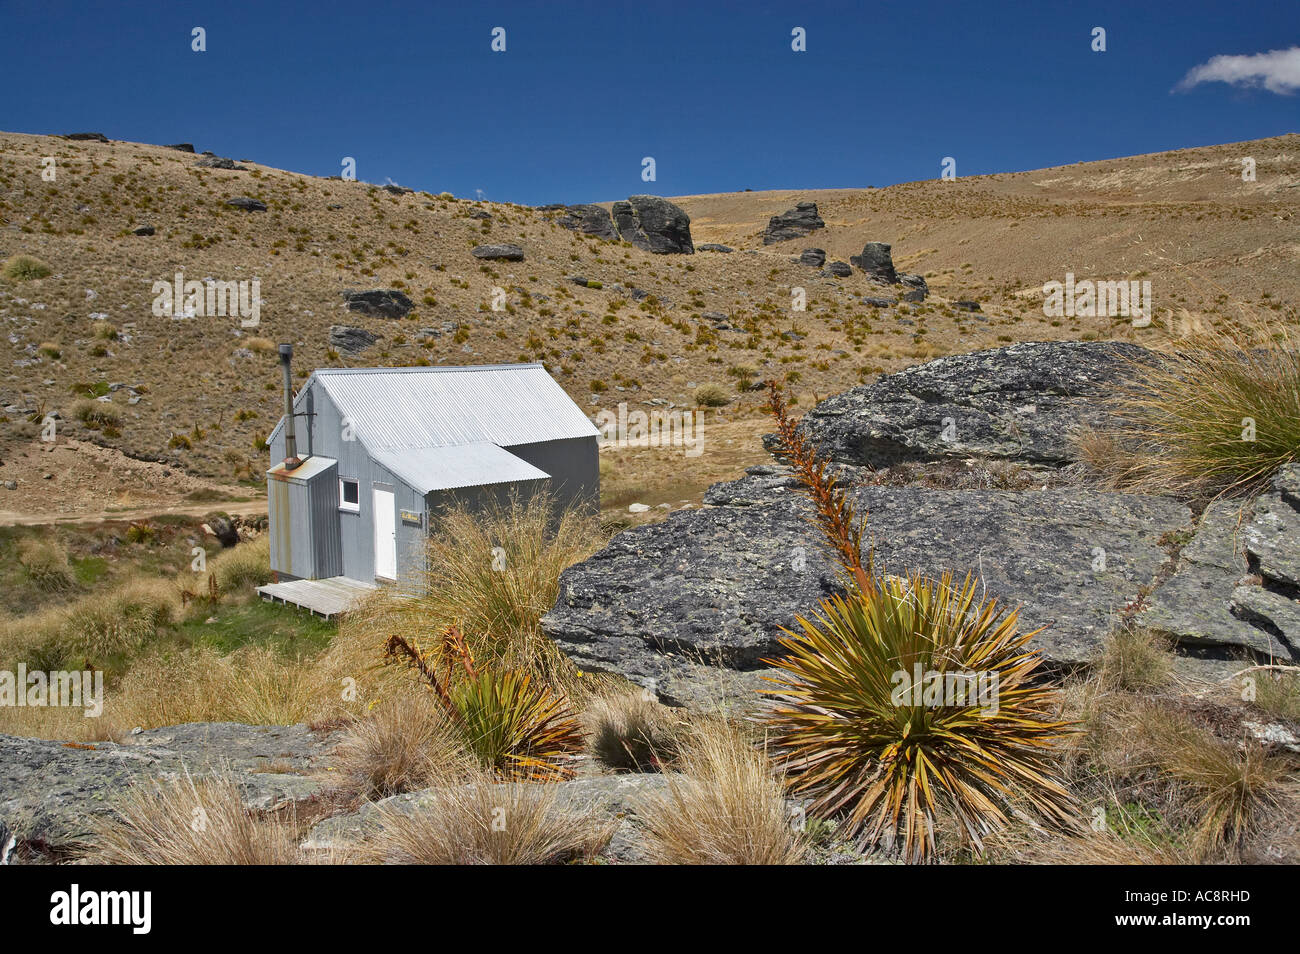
(1278, 71)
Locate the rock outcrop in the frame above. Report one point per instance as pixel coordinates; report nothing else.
(654, 224)
(689, 607)
(378, 302)
(589, 220)
(505, 252)
(877, 261)
(793, 223)
(348, 339)
(51, 791)
(1237, 583)
(813, 257)
(1022, 402)
(246, 203)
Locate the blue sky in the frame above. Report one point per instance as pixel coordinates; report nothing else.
(584, 91)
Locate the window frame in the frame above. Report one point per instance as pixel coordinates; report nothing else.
(344, 506)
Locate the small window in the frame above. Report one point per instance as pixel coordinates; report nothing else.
(349, 495)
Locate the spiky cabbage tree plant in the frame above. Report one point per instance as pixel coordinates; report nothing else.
(906, 698)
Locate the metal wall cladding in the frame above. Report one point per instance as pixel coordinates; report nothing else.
(302, 505)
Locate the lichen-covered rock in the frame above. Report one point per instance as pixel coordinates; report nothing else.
(1237, 583)
(1022, 402)
(51, 791)
(689, 607)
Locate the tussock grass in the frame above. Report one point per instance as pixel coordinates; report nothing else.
(24, 268)
(712, 395)
(192, 822)
(97, 413)
(1228, 788)
(1278, 693)
(1134, 659)
(120, 621)
(631, 732)
(244, 567)
(726, 808)
(401, 745)
(253, 685)
(1219, 416)
(45, 564)
(481, 822)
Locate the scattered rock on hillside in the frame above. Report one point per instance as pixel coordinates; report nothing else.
(1022, 402)
(87, 137)
(223, 528)
(714, 247)
(877, 261)
(220, 162)
(967, 305)
(181, 147)
(143, 230)
(378, 302)
(793, 223)
(654, 225)
(688, 607)
(392, 188)
(879, 302)
(918, 286)
(503, 253)
(50, 791)
(247, 204)
(589, 220)
(813, 257)
(838, 269)
(351, 340)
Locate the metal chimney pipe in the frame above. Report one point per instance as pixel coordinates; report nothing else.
(290, 440)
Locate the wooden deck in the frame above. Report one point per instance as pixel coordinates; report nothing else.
(325, 598)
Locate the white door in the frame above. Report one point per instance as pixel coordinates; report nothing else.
(385, 534)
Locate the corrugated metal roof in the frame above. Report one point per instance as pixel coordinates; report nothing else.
(457, 465)
(309, 468)
(504, 404)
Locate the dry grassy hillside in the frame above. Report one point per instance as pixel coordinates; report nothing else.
(207, 391)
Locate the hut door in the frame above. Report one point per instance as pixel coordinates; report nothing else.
(385, 534)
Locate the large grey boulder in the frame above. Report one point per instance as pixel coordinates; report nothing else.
(351, 340)
(654, 224)
(378, 302)
(877, 261)
(690, 606)
(793, 223)
(505, 252)
(589, 220)
(1237, 583)
(50, 792)
(1022, 402)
